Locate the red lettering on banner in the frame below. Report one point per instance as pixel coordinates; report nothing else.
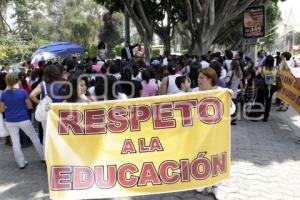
(204, 163)
(148, 175)
(154, 145)
(163, 116)
(61, 178)
(118, 121)
(138, 113)
(185, 171)
(70, 119)
(203, 107)
(128, 147)
(83, 178)
(128, 182)
(186, 111)
(164, 175)
(95, 121)
(110, 181)
(219, 166)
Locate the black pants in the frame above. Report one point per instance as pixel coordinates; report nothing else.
(234, 116)
(264, 96)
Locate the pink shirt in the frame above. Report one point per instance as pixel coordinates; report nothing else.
(150, 89)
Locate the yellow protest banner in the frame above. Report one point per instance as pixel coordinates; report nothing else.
(138, 146)
(290, 91)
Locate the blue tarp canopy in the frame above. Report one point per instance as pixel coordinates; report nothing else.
(55, 49)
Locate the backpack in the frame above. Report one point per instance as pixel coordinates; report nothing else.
(270, 78)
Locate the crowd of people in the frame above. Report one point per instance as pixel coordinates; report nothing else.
(131, 77)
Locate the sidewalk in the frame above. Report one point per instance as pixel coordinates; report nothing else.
(265, 165)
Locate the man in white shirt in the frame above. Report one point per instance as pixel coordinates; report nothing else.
(203, 63)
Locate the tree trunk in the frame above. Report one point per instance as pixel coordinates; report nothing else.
(147, 47)
(167, 44)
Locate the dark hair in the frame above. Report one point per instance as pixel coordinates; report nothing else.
(100, 88)
(73, 80)
(101, 45)
(135, 70)
(236, 68)
(126, 74)
(287, 55)
(104, 69)
(80, 67)
(269, 62)
(210, 73)
(41, 64)
(146, 76)
(22, 77)
(241, 54)
(204, 57)
(51, 73)
(180, 80)
(2, 80)
(71, 64)
(217, 67)
(112, 67)
(228, 54)
(218, 54)
(172, 67)
(33, 75)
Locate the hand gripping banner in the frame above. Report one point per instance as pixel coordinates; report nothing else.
(290, 91)
(138, 146)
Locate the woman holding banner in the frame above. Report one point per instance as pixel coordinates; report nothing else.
(207, 80)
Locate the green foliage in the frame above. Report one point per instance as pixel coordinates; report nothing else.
(230, 35)
(118, 50)
(40, 21)
(273, 16)
(93, 50)
(185, 51)
(155, 52)
(15, 50)
(112, 5)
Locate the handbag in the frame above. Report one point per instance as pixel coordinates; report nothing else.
(40, 112)
(3, 130)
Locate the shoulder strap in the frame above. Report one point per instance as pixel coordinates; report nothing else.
(45, 89)
(167, 86)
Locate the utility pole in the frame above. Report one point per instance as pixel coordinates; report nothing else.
(127, 25)
(293, 42)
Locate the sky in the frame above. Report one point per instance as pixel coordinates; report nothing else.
(290, 14)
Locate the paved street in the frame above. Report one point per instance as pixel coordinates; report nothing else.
(265, 165)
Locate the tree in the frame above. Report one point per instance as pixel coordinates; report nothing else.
(49, 20)
(207, 17)
(110, 33)
(172, 12)
(231, 31)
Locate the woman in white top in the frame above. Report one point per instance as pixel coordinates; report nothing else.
(233, 81)
(168, 85)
